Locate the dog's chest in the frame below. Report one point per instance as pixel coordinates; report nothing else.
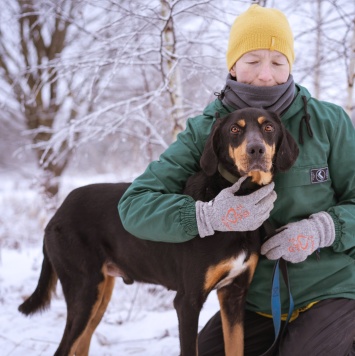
(223, 273)
(237, 265)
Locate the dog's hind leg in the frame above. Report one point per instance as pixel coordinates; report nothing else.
(105, 292)
(188, 311)
(83, 296)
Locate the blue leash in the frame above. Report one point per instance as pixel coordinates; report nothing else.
(280, 264)
(275, 295)
(275, 299)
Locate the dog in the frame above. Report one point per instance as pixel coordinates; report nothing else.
(86, 247)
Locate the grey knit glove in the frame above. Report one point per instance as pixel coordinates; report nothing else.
(227, 212)
(297, 240)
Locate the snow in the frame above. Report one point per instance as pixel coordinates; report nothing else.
(140, 319)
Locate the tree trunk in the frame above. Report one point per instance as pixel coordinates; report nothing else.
(40, 98)
(172, 73)
(318, 54)
(351, 76)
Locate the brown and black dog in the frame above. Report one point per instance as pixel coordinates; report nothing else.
(86, 246)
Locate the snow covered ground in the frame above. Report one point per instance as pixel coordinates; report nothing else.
(140, 319)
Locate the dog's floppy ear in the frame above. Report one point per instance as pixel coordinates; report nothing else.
(209, 158)
(287, 150)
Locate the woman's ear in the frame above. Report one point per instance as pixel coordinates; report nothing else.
(233, 72)
(209, 158)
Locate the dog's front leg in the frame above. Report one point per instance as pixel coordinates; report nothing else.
(232, 303)
(188, 311)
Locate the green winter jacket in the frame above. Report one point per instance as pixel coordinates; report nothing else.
(322, 179)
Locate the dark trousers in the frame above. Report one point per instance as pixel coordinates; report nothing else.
(326, 329)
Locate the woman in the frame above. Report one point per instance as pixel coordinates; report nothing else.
(315, 205)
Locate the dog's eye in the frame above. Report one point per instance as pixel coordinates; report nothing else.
(236, 129)
(269, 128)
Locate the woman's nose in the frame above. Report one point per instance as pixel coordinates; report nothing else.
(265, 73)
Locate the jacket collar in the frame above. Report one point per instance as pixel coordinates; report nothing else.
(297, 105)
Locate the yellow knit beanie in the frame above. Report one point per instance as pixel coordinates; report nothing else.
(260, 28)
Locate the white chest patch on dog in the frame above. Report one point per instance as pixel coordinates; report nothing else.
(236, 267)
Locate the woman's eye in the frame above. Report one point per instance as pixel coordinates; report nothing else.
(235, 129)
(279, 63)
(269, 128)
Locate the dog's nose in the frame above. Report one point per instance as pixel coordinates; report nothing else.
(256, 149)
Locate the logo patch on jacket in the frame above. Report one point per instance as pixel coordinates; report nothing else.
(319, 175)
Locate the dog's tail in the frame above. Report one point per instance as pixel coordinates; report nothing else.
(41, 297)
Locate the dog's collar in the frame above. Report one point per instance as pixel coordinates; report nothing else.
(227, 175)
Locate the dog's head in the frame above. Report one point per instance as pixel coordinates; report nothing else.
(250, 142)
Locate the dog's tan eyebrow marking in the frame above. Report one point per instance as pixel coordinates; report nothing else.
(261, 119)
(241, 123)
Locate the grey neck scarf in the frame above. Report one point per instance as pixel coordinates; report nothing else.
(277, 98)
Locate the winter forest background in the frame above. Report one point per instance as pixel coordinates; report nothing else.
(93, 90)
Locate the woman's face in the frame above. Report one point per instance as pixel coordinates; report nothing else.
(262, 68)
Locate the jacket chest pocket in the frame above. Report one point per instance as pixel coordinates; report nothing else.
(302, 191)
(303, 176)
